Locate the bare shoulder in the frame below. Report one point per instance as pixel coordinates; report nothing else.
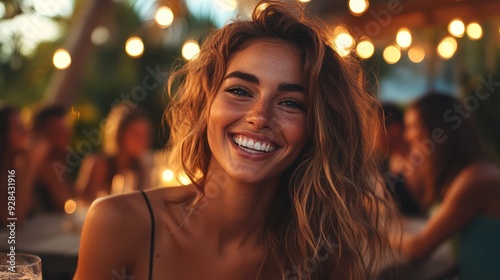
(481, 175)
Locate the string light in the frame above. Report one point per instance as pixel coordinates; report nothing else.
(403, 38)
(344, 43)
(134, 47)
(70, 206)
(190, 49)
(164, 17)
(61, 59)
(100, 35)
(456, 28)
(358, 7)
(391, 54)
(447, 47)
(474, 31)
(167, 175)
(416, 54)
(365, 49)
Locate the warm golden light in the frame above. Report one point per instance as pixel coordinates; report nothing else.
(474, 31)
(190, 49)
(403, 38)
(61, 59)
(456, 28)
(168, 175)
(304, 1)
(164, 17)
(391, 54)
(343, 43)
(358, 7)
(134, 47)
(184, 179)
(70, 206)
(365, 49)
(447, 47)
(416, 54)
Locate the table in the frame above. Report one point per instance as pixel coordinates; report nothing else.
(54, 237)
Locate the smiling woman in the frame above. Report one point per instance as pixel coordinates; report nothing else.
(276, 131)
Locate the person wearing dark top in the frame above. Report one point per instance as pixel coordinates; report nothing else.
(53, 186)
(396, 166)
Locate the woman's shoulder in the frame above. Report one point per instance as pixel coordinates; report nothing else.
(480, 175)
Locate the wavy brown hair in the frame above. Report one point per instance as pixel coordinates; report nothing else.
(327, 219)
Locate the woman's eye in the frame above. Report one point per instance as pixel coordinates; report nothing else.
(294, 104)
(238, 91)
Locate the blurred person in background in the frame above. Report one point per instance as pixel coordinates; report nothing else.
(53, 186)
(20, 158)
(456, 173)
(396, 166)
(124, 165)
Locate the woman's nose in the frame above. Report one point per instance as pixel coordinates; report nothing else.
(260, 115)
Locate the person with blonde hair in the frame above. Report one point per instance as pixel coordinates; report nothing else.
(277, 134)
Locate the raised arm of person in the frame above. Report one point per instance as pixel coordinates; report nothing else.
(91, 178)
(467, 198)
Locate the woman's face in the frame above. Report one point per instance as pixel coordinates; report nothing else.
(256, 127)
(414, 132)
(136, 138)
(18, 134)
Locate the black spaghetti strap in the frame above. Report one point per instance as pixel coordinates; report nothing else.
(152, 243)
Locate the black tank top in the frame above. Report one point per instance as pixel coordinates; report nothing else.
(152, 242)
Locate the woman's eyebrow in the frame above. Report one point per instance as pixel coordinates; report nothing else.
(244, 76)
(253, 79)
(290, 87)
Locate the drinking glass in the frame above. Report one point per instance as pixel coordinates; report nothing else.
(20, 266)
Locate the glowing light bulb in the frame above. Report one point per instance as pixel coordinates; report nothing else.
(61, 59)
(456, 28)
(416, 54)
(190, 49)
(134, 47)
(164, 17)
(474, 31)
(403, 38)
(447, 47)
(168, 175)
(365, 49)
(391, 54)
(344, 43)
(358, 7)
(70, 206)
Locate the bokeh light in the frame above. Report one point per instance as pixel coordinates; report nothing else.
(456, 28)
(447, 47)
(403, 38)
(358, 7)
(474, 31)
(416, 54)
(344, 43)
(190, 49)
(61, 59)
(134, 47)
(100, 35)
(164, 17)
(184, 179)
(365, 49)
(167, 175)
(391, 54)
(70, 206)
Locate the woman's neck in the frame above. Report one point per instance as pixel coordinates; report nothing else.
(232, 212)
